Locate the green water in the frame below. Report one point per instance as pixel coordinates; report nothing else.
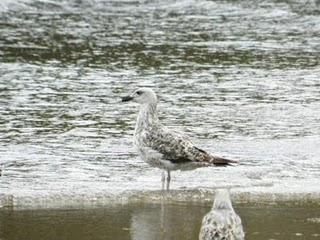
(156, 221)
(241, 79)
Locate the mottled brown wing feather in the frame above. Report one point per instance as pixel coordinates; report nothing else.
(177, 149)
(173, 147)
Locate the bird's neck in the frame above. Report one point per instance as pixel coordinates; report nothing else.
(222, 204)
(148, 116)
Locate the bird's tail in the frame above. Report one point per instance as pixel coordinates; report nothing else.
(214, 159)
(222, 161)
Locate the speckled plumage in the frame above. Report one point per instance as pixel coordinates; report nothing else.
(161, 147)
(221, 223)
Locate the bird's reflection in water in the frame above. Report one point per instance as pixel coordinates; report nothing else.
(165, 221)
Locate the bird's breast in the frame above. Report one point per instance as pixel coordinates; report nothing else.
(140, 138)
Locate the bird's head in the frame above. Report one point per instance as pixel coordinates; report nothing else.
(142, 96)
(222, 200)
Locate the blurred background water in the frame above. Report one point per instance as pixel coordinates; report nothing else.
(241, 78)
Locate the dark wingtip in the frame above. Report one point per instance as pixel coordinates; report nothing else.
(223, 161)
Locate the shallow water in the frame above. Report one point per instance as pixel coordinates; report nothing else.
(156, 221)
(240, 77)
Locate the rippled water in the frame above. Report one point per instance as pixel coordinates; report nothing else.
(240, 77)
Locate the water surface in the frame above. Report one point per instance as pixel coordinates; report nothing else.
(156, 221)
(240, 77)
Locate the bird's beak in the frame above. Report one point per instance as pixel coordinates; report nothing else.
(126, 99)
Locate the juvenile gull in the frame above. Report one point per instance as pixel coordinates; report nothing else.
(161, 147)
(221, 223)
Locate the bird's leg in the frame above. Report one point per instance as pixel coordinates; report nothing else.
(168, 180)
(163, 179)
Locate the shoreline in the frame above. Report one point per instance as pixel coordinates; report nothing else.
(190, 196)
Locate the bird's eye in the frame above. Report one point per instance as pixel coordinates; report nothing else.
(139, 92)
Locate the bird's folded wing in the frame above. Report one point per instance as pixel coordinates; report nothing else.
(174, 146)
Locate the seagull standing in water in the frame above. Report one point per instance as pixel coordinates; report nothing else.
(221, 223)
(161, 147)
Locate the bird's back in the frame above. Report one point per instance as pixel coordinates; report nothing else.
(221, 225)
(173, 145)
